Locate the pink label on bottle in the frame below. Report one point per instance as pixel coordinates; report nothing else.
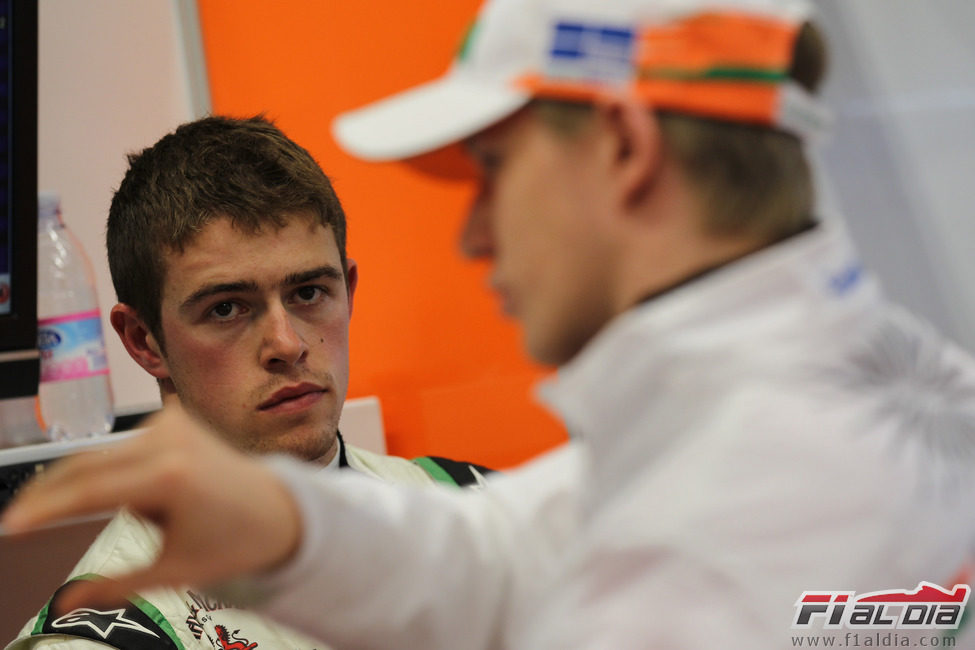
(71, 347)
(69, 318)
(72, 369)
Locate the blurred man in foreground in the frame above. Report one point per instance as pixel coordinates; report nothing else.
(760, 439)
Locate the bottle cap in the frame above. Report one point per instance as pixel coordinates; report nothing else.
(48, 204)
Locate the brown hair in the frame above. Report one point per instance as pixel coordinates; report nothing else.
(246, 170)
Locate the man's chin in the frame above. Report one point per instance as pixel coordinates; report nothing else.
(320, 447)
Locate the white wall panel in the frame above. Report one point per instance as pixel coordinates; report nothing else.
(115, 75)
(901, 162)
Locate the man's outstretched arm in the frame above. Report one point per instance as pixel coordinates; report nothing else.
(187, 482)
(341, 558)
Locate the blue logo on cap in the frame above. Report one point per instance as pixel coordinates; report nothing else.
(591, 52)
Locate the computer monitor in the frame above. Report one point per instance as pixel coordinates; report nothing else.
(19, 365)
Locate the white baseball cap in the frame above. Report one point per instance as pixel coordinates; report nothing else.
(725, 59)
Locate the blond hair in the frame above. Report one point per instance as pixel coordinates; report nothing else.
(751, 180)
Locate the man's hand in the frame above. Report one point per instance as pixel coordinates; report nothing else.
(222, 514)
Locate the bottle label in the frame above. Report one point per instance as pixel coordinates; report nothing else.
(71, 346)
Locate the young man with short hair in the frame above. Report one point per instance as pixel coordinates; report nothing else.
(226, 245)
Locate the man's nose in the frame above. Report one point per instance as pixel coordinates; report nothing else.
(476, 237)
(281, 344)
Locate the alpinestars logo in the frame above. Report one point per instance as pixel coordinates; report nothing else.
(928, 607)
(103, 623)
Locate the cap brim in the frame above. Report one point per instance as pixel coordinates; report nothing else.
(425, 118)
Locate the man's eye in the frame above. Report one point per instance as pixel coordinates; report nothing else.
(224, 310)
(309, 293)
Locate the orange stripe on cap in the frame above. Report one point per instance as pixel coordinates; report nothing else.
(716, 40)
(734, 100)
(725, 66)
(730, 100)
(571, 91)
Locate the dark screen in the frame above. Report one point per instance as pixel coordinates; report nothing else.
(5, 163)
(18, 198)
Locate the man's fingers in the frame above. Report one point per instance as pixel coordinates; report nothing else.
(115, 591)
(99, 594)
(86, 484)
(37, 506)
(101, 480)
(160, 477)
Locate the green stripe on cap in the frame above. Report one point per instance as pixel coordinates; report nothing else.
(465, 45)
(721, 73)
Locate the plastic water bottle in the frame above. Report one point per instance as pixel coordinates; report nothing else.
(75, 393)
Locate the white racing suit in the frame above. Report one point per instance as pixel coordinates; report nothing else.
(191, 620)
(771, 428)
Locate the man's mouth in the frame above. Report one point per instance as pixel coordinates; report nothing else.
(294, 397)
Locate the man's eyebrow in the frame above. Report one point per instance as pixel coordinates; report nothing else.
(244, 286)
(208, 290)
(329, 272)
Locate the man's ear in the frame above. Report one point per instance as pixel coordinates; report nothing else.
(139, 342)
(637, 144)
(351, 279)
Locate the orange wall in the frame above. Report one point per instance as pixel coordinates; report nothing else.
(427, 336)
